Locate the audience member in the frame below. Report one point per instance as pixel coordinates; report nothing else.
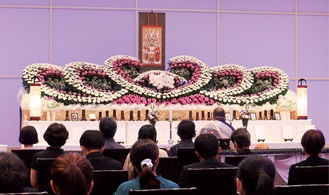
(92, 146)
(144, 155)
(312, 141)
(28, 136)
(186, 131)
(56, 136)
(71, 173)
(241, 141)
(219, 127)
(108, 127)
(13, 174)
(145, 132)
(255, 176)
(206, 149)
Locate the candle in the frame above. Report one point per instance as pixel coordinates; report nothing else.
(170, 114)
(138, 113)
(115, 113)
(197, 116)
(107, 113)
(100, 115)
(83, 112)
(202, 115)
(231, 113)
(209, 116)
(190, 114)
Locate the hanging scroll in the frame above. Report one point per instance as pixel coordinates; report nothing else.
(151, 45)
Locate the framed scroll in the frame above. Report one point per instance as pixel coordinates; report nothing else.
(152, 41)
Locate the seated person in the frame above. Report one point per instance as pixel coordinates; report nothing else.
(56, 136)
(255, 176)
(92, 146)
(71, 173)
(28, 136)
(219, 127)
(145, 132)
(186, 131)
(108, 127)
(144, 155)
(206, 149)
(13, 174)
(312, 141)
(241, 141)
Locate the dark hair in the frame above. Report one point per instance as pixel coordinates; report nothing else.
(108, 126)
(56, 135)
(257, 174)
(186, 129)
(28, 135)
(145, 149)
(13, 173)
(147, 132)
(219, 113)
(206, 145)
(71, 174)
(241, 137)
(313, 141)
(92, 139)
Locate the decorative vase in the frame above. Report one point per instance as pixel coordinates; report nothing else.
(245, 122)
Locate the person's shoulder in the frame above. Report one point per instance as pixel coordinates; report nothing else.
(166, 183)
(162, 153)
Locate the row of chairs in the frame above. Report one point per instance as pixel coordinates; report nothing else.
(314, 189)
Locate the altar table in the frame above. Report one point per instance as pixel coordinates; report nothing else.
(273, 131)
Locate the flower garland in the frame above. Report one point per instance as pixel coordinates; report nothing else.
(189, 81)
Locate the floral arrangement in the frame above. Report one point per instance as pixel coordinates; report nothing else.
(49, 103)
(244, 114)
(153, 114)
(188, 81)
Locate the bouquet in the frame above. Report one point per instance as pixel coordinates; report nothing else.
(244, 116)
(153, 115)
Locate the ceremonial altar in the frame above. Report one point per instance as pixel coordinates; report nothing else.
(81, 93)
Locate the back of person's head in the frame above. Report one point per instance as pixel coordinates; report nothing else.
(56, 135)
(28, 135)
(255, 176)
(92, 140)
(313, 141)
(108, 126)
(144, 155)
(13, 173)
(206, 145)
(71, 173)
(186, 129)
(241, 137)
(147, 132)
(219, 113)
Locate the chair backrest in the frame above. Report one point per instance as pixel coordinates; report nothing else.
(168, 168)
(235, 159)
(107, 181)
(213, 180)
(306, 189)
(28, 193)
(44, 168)
(26, 156)
(312, 174)
(165, 191)
(117, 154)
(186, 156)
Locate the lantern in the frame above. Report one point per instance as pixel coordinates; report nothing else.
(302, 99)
